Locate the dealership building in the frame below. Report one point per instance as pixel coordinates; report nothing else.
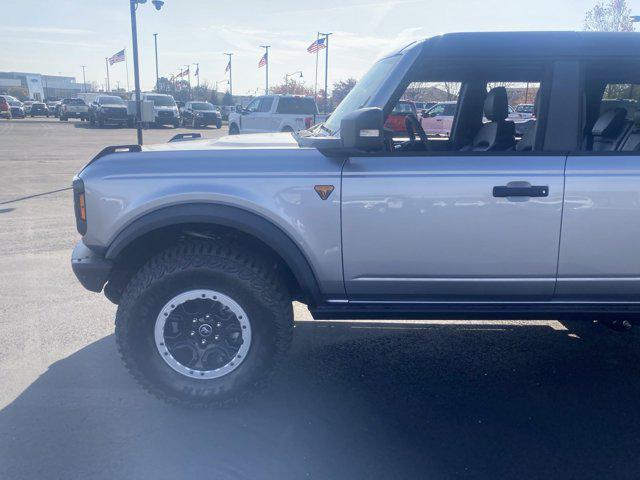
(40, 87)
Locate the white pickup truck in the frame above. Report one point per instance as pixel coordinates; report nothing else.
(275, 113)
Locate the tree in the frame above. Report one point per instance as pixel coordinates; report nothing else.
(227, 99)
(609, 16)
(341, 89)
(292, 86)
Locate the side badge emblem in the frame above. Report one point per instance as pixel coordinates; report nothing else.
(324, 191)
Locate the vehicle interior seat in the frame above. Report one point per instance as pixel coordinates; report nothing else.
(527, 142)
(609, 130)
(498, 134)
(631, 142)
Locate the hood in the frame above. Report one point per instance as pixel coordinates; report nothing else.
(258, 140)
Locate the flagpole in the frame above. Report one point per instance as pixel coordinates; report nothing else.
(266, 47)
(315, 88)
(230, 77)
(106, 62)
(126, 66)
(326, 69)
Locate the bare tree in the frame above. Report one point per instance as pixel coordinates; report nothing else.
(609, 16)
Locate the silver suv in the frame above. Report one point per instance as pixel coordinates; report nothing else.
(204, 244)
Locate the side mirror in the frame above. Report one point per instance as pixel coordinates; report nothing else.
(423, 113)
(363, 129)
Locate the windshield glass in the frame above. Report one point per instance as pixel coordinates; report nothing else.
(111, 101)
(202, 106)
(161, 100)
(362, 92)
(73, 101)
(402, 107)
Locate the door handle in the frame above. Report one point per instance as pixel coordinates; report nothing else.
(521, 191)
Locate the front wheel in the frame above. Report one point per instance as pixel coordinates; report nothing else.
(233, 129)
(204, 323)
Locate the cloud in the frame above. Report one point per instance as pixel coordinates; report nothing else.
(60, 31)
(53, 42)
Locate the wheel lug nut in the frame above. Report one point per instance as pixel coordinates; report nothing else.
(203, 341)
(216, 337)
(195, 320)
(218, 324)
(192, 333)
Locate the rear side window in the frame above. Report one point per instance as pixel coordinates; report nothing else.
(265, 105)
(297, 106)
(621, 95)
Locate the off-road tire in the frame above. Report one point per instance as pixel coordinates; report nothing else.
(234, 130)
(223, 267)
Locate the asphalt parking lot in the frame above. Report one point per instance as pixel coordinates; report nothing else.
(426, 400)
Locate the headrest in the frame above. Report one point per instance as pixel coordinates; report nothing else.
(496, 105)
(610, 123)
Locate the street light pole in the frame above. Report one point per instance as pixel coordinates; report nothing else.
(84, 79)
(230, 76)
(133, 4)
(155, 42)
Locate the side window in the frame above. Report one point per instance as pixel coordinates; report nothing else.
(265, 105)
(253, 105)
(612, 98)
(436, 111)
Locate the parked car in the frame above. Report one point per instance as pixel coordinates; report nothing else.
(15, 105)
(424, 106)
(108, 110)
(5, 108)
(39, 109)
(205, 244)
(200, 114)
(27, 106)
(438, 120)
(274, 113)
(525, 110)
(73, 108)
(54, 107)
(164, 107)
(396, 119)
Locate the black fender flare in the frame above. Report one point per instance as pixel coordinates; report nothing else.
(225, 216)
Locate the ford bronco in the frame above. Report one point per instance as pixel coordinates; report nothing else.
(204, 244)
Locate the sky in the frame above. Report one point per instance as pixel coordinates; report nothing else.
(56, 37)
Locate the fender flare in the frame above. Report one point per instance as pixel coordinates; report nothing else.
(226, 216)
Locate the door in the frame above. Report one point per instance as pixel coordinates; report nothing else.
(263, 115)
(248, 119)
(474, 227)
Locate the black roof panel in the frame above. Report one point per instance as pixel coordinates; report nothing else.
(533, 44)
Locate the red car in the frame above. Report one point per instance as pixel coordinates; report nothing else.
(395, 121)
(5, 109)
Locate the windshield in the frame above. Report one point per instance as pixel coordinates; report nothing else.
(161, 100)
(110, 101)
(73, 101)
(202, 106)
(362, 92)
(15, 103)
(402, 108)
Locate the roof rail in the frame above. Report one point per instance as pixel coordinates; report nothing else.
(185, 136)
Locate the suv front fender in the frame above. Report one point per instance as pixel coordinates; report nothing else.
(224, 216)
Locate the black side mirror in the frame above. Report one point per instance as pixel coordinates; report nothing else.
(363, 129)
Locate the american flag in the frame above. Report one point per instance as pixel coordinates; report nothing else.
(228, 67)
(118, 57)
(197, 74)
(263, 61)
(319, 44)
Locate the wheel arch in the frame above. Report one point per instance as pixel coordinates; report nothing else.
(177, 220)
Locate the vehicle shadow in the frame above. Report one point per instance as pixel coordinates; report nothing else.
(354, 402)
